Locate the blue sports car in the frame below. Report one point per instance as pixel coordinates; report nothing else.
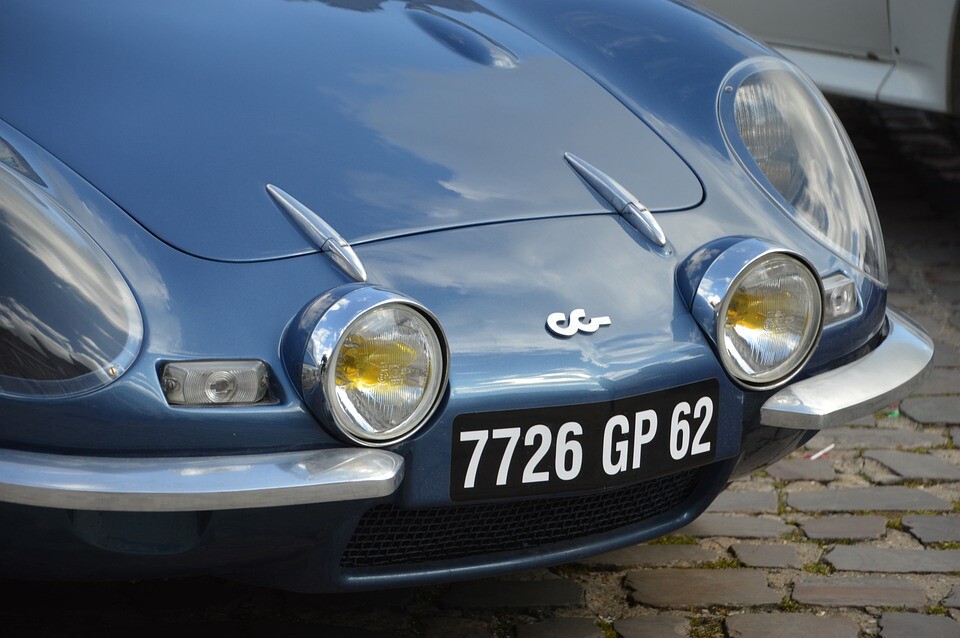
(347, 294)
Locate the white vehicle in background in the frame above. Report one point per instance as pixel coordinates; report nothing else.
(904, 52)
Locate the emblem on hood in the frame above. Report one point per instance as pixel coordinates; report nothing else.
(558, 324)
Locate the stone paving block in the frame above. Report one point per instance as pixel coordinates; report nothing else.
(700, 587)
(895, 624)
(849, 591)
(945, 355)
(652, 556)
(747, 502)
(940, 381)
(561, 628)
(933, 529)
(909, 465)
(947, 274)
(791, 626)
(953, 600)
(906, 299)
(874, 438)
(893, 499)
(955, 435)
(802, 470)
(901, 561)
(757, 555)
(514, 594)
(738, 526)
(932, 410)
(948, 293)
(652, 626)
(444, 627)
(845, 527)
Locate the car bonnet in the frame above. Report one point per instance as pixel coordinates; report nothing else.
(382, 117)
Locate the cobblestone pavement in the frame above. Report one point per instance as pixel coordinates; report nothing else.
(863, 541)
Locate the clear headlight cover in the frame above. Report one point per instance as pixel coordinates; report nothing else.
(387, 373)
(770, 320)
(69, 323)
(789, 139)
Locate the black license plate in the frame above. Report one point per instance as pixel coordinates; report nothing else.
(583, 447)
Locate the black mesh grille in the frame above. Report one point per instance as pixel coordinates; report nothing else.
(387, 535)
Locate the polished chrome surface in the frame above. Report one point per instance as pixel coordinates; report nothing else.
(319, 363)
(622, 200)
(320, 233)
(642, 219)
(723, 276)
(884, 376)
(202, 483)
(558, 324)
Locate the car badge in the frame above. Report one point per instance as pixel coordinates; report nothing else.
(558, 324)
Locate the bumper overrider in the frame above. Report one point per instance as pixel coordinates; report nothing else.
(888, 373)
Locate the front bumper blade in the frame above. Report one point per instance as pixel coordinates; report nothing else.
(192, 484)
(881, 378)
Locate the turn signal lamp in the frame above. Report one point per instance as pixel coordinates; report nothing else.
(199, 383)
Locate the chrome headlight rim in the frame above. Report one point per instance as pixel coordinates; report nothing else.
(730, 130)
(323, 346)
(715, 291)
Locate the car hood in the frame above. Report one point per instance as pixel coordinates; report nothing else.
(384, 118)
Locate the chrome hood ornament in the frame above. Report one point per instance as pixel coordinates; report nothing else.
(320, 233)
(622, 200)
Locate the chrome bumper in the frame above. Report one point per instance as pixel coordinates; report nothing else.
(190, 484)
(881, 378)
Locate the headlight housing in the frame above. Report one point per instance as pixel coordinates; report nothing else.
(762, 306)
(69, 323)
(788, 138)
(374, 366)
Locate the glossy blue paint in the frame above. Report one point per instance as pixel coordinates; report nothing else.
(363, 116)
(392, 123)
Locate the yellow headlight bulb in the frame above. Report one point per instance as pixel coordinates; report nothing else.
(367, 363)
(769, 312)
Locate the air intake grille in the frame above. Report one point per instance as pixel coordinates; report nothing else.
(387, 535)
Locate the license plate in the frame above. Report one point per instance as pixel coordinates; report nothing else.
(583, 447)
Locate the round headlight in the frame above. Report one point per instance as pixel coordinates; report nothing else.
(386, 373)
(372, 364)
(770, 320)
(788, 138)
(762, 306)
